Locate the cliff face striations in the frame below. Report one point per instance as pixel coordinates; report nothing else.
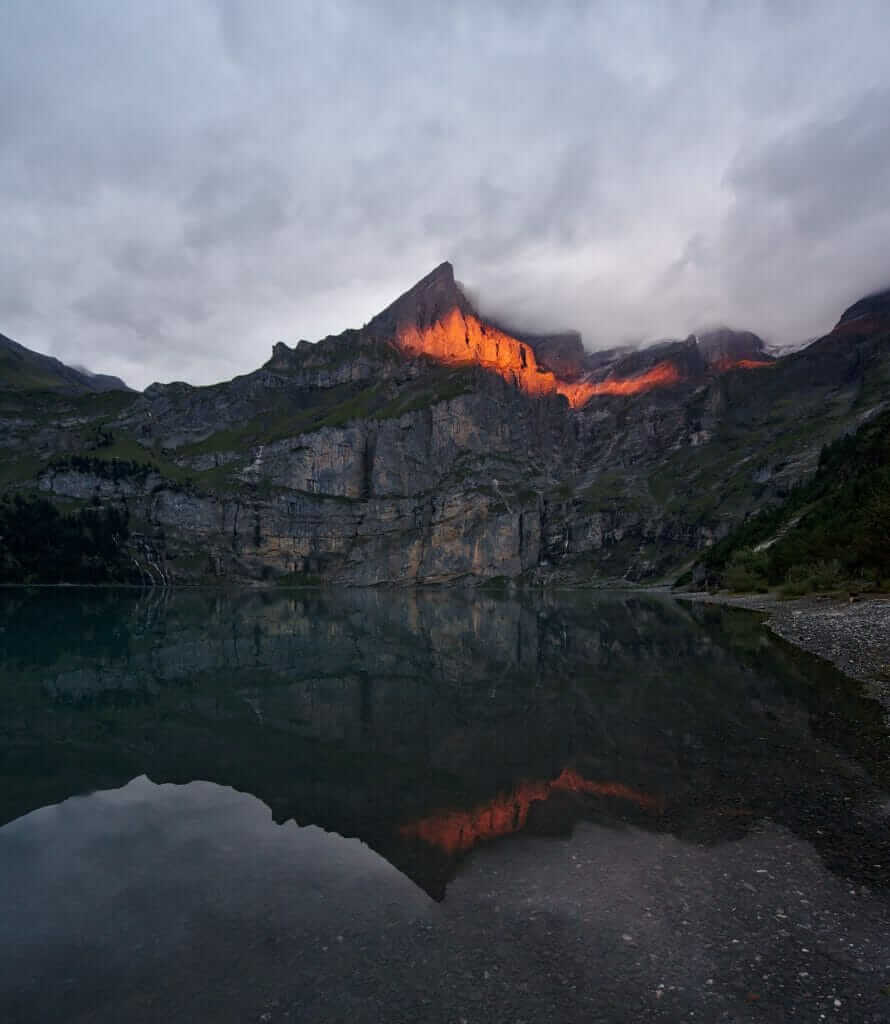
(434, 446)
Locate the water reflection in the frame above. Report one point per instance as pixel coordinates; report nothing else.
(457, 831)
(103, 894)
(426, 723)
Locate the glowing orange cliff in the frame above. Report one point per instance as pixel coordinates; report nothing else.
(463, 338)
(435, 319)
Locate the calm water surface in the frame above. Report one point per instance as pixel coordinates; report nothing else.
(377, 806)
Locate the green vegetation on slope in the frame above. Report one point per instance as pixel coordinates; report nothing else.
(18, 375)
(338, 406)
(24, 370)
(831, 530)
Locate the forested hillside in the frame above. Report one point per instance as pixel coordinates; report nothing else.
(831, 531)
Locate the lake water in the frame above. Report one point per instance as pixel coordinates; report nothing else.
(400, 806)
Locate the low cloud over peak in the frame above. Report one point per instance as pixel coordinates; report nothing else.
(181, 187)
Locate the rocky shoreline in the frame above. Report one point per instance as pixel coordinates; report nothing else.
(853, 635)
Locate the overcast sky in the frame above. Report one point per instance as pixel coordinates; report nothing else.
(183, 184)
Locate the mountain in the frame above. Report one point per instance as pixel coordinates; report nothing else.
(725, 349)
(562, 353)
(22, 369)
(435, 446)
(831, 529)
(873, 308)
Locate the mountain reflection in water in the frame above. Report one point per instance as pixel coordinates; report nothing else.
(426, 723)
(459, 831)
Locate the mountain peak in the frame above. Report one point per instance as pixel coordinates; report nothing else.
(875, 305)
(444, 271)
(424, 304)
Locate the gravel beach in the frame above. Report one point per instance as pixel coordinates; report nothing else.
(853, 636)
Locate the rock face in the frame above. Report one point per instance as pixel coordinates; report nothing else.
(876, 305)
(725, 349)
(562, 353)
(432, 495)
(435, 319)
(432, 446)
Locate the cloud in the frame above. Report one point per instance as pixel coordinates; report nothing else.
(809, 227)
(831, 174)
(182, 187)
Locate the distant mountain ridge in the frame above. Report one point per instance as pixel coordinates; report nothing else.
(435, 446)
(22, 368)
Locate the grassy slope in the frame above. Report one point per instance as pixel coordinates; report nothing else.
(766, 429)
(833, 529)
(283, 414)
(24, 370)
(773, 429)
(286, 415)
(16, 373)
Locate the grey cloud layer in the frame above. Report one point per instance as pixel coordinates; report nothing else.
(184, 184)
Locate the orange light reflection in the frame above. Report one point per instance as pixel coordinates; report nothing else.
(459, 831)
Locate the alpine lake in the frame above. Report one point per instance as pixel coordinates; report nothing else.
(463, 806)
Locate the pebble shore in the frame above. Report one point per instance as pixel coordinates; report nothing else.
(853, 635)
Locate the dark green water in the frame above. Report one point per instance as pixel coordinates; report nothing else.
(436, 759)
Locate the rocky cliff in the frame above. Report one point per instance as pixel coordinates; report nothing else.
(433, 446)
